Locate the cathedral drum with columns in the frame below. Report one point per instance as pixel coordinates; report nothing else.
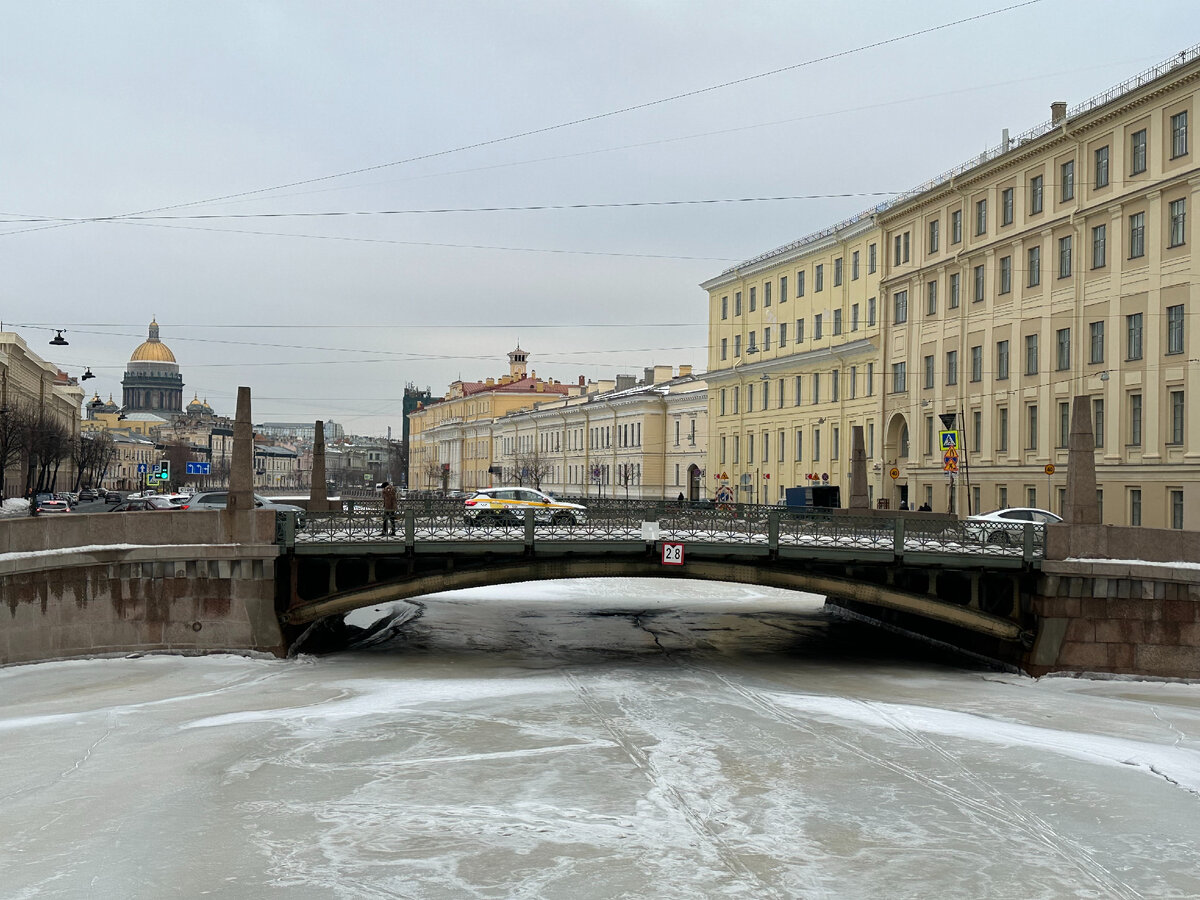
(152, 380)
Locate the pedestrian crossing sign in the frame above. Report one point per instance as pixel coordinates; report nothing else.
(949, 440)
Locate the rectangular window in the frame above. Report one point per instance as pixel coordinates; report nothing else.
(1135, 420)
(1135, 506)
(1064, 257)
(750, 447)
(749, 398)
(981, 216)
(1179, 136)
(736, 395)
(955, 290)
(799, 331)
(766, 394)
(1002, 430)
(1133, 336)
(783, 289)
(767, 294)
(781, 442)
(1096, 342)
(870, 379)
(1006, 207)
(722, 407)
(799, 445)
(817, 327)
(976, 435)
(951, 367)
(835, 385)
(816, 448)
(722, 449)
(1098, 420)
(818, 278)
(753, 299)
(1035, 266)
(816, 387)
(928, 382)
(1032, 425)
(929, 445)
(956, 227)
(901, 307)
(724, 347)
(1178, 212)
(1137, 235)
(737, 303)
(906, 245)
(752, 345)
(1001, 360)
(1137, 152)
(896, 251)
(1062, 344)
(853, 382)
(783, 334)
(977, 363)
(1035, 194)
(1099, 252)
(1067, 180)
(1175, 329)
(835, 445)
(1031, 354)
(980, 284)
(1176, 436)
(837, 272)
(870, 440)
(724, 307)
(1064, 424)
(854, 266)
(766, 338)
(837, 321)
(933, 235)
(870, 311)
(1101, 157)
(931, 296)
(871, 259)
(898, 377)
(800, 283)
(799, 385)
(1177, 509)
(779, 404)
(737, 345)
(1005, 274)
(854, 317)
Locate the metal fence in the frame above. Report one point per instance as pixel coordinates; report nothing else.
(641, 522)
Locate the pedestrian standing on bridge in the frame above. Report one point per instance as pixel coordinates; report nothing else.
(389, 508)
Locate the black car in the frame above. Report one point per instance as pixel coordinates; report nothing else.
(112, 497)
(87, 495)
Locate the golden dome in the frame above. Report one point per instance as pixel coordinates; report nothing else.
(153, 350)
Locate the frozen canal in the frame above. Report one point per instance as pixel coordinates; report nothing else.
(592, 740)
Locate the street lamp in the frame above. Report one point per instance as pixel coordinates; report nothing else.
(58, 340)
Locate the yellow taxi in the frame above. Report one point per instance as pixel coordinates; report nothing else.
(507, 505)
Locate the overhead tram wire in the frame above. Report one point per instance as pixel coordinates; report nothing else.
(567, 124)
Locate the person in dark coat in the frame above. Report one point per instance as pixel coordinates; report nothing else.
(389, 508)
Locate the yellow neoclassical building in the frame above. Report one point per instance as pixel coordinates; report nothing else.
(793, 362)
(1059, 265)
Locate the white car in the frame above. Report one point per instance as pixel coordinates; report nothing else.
(1006, 526)
(506, 506)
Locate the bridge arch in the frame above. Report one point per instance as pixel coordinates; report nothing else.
(856, 591)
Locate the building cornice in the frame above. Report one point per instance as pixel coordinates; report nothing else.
(819, 242)
(788, 364)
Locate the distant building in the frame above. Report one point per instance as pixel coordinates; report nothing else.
(152, 381)
(299, 431)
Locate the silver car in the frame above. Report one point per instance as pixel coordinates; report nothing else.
(220, 499)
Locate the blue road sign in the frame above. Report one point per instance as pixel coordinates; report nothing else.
(197, 468)
(143, 468)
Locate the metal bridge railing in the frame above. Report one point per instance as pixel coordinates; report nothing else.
(772, 528)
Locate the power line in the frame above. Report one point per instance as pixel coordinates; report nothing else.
(566, 124)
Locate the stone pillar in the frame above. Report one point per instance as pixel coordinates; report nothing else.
(318, 497)
(859, 498)
(241, 472)
(1081, 507)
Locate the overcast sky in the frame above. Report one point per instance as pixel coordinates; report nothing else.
(114, 108)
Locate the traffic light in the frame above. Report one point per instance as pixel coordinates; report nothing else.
(165, 470)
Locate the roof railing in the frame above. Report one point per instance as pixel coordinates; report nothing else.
(1125, 87)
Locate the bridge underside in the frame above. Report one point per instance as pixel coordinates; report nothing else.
(962, 606)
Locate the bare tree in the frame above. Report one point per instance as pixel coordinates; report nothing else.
(625, 476)
(433, 472)
(14, 427)
(530, 467)
(47, 444)
(92, 453)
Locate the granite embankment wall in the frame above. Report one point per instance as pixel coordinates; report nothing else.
(1118, 600)
(137, 582)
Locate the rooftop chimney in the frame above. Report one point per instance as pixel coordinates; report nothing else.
(685, 370)
(1058, 112)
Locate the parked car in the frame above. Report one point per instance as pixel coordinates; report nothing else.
(499, 506)
(87, 495)
(53, 506)
(219, 500)
(1005, 526)
(144, 504)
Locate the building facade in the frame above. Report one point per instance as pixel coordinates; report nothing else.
(793, 363)
(1057, 264)
(152, 380)
(1061, 265)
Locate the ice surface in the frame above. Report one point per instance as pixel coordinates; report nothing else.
(594, 739)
